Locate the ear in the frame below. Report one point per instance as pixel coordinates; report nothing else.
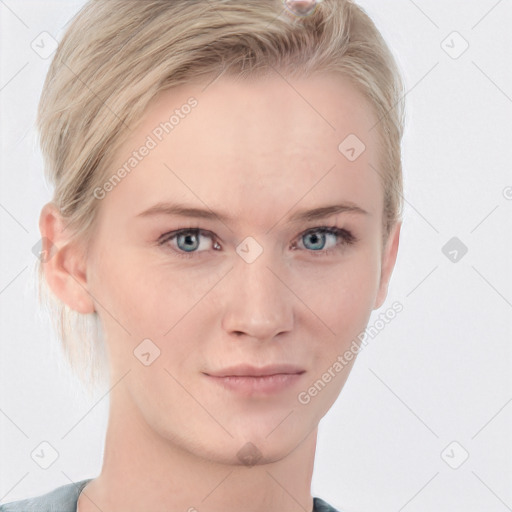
(63, 261)
(388, 263)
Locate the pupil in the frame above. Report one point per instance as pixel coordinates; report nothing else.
(188, 240)
(315, 239)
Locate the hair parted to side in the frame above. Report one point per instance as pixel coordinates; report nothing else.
(117, 55)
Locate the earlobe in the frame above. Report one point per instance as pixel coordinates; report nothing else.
(388, 264)
(63, 261)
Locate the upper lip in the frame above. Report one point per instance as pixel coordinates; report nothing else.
(253, 371)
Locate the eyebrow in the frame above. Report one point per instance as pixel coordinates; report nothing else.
(184, 210)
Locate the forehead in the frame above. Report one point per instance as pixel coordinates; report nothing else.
(255, 147)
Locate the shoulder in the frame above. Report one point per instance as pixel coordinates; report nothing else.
(319, 506)
(61, 499)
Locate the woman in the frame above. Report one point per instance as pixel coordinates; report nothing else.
(226, 216)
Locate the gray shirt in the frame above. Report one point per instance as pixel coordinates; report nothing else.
(64, 499)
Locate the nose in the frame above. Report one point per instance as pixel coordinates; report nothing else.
(257, 302)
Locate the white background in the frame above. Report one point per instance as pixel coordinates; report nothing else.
(439, 372)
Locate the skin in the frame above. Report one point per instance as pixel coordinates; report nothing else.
(258, 152)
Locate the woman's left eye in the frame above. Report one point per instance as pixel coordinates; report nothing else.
(186, 242)
(317, 237)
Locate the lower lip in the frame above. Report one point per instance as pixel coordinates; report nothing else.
(258, 385)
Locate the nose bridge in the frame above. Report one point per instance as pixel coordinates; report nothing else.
(259, 303)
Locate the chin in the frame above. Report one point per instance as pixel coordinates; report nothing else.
(247, 449)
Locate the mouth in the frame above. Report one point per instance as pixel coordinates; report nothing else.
(249, 380)
(245, 370)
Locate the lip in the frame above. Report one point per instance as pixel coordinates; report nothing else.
(244, 370)
(249, 380)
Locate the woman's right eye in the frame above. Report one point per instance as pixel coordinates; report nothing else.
(185, 242)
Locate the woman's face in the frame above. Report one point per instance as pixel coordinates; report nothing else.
(257, 283)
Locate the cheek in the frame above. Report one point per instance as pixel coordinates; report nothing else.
(342, 296)
(152, 298)
(145, 302)
(130, 294)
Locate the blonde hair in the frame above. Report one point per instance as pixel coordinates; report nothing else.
(117, 55)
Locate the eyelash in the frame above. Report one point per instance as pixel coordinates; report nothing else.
(345, 237)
